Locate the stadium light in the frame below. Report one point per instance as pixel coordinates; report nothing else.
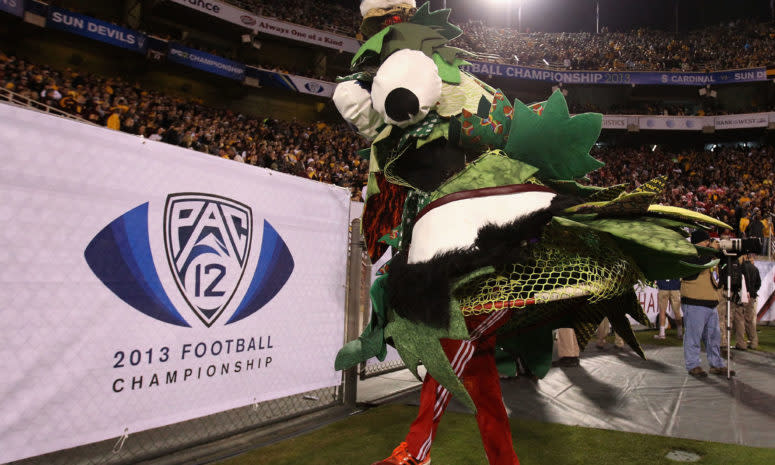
(597, 16)
(519, 4)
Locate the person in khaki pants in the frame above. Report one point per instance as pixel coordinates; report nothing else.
(669, 292)
(744, 308)
(567, 348)
(602, 333)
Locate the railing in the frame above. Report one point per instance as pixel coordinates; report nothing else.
(17, 99)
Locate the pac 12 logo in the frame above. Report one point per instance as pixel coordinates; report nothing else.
(314, 87)
(208, 243)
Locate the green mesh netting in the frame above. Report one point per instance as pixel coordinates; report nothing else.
(565, 265)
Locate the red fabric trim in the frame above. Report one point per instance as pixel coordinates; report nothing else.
(500, 305)
(485, 192)
(381, 214)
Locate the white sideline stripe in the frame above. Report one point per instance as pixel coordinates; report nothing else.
(455, 225)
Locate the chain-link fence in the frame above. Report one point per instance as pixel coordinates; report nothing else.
(380, 368)
(157, 442)
(373, 367)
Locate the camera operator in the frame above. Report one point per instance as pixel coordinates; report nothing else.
(744, 305)
(745, 282)
(699, 298)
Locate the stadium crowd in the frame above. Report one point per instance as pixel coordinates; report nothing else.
(731, 183)
(315, 150)
(705, 107)
(740, 44)
(736, 45)
(327, 16)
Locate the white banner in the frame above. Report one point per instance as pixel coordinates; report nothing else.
(766, 292)
(272, 26)
(615, 122)
(144, 284)
(672, 123)
(276, 27)
(222, 10)
(647, 296)
(312, 86)
(748, 120)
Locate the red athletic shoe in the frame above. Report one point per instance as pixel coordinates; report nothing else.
(401, 456)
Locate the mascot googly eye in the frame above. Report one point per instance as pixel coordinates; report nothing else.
(353, 101)
(406, 87)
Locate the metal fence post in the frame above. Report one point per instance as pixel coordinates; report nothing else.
(353, 307)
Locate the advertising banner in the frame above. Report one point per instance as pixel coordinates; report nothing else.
(615, 122)
(291, 82)
(312, 86)
(222, 10)
(272, 26)
(95, 29)
(765, 302)
(647, 296)
(672, 123)
(145, 284)
(617, 78)
(749, 120)
(206, 62)
(15, 7)
(306, 34)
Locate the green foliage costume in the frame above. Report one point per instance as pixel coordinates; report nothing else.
(463, 140)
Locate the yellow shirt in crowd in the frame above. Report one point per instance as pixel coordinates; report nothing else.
(114, 122)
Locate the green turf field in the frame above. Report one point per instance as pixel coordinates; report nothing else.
(646, 338)
(367, 437)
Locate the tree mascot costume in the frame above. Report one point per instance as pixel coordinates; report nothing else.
(495, 242)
